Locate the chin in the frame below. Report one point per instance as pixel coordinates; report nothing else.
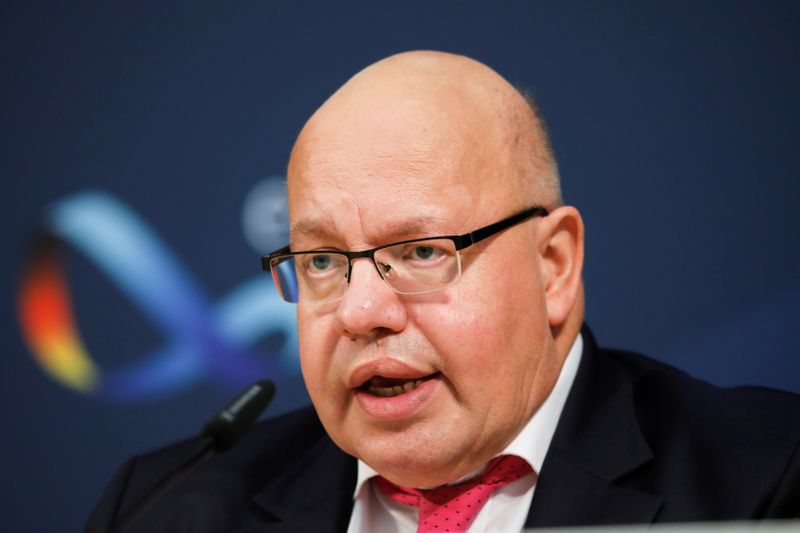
(412, 463)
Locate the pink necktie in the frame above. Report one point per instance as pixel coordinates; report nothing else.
(454, 507)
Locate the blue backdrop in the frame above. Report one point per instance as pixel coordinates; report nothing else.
(148, 145)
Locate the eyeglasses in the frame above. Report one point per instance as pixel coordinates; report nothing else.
(415, 266)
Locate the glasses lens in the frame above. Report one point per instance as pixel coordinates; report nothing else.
(419, 266)
(285, 277)
(323, 276)
(318, 276)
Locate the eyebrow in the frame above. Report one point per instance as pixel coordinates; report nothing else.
(311, 228)
(324, 229)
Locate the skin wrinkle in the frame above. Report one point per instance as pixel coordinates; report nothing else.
(420, 135)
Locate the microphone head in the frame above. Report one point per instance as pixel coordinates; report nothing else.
(227, 426)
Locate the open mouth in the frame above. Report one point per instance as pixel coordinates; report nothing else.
(389, 387)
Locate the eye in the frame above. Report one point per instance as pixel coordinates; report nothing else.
(320, 263)
(424, 252)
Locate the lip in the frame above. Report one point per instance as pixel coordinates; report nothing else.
(399, 407)
(386, 367)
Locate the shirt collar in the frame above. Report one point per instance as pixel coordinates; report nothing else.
(533, 441)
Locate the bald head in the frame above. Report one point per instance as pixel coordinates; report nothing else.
(415, 147)
(417, 106)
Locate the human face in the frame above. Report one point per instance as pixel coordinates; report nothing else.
(473, 354)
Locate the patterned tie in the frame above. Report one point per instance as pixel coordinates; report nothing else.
(454, 507)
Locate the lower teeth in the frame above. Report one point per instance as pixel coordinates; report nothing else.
(395, 390)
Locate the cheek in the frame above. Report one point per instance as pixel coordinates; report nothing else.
(315, 353)
(465, 338)
(487, 307)
(487, 342)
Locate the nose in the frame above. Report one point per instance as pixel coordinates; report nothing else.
(369, 307)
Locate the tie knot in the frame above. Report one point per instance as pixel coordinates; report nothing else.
(454, 507)
(504, 469)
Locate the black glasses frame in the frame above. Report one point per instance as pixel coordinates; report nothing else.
(460, 241)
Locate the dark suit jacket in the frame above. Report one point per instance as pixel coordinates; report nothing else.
(638, 442)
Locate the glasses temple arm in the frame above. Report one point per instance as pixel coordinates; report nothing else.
(482, 233)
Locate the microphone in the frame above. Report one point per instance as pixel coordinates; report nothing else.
(218, 435)
(225, 428)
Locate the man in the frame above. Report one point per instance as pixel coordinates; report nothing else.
(437, 276)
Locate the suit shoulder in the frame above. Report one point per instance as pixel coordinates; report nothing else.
(731, 423)
(264, 452)
(668, 388)
(696, 452)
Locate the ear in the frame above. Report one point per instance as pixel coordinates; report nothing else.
(561, 247)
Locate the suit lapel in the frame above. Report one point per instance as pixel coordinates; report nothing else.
(597, 442)
(313, 493)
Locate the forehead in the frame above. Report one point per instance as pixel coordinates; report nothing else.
(401, 173)
(404, 138)
(327, 210)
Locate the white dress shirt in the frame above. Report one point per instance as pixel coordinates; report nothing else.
(508, 506)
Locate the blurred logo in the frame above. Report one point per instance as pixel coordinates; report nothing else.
(265, 216)
(202, 339)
